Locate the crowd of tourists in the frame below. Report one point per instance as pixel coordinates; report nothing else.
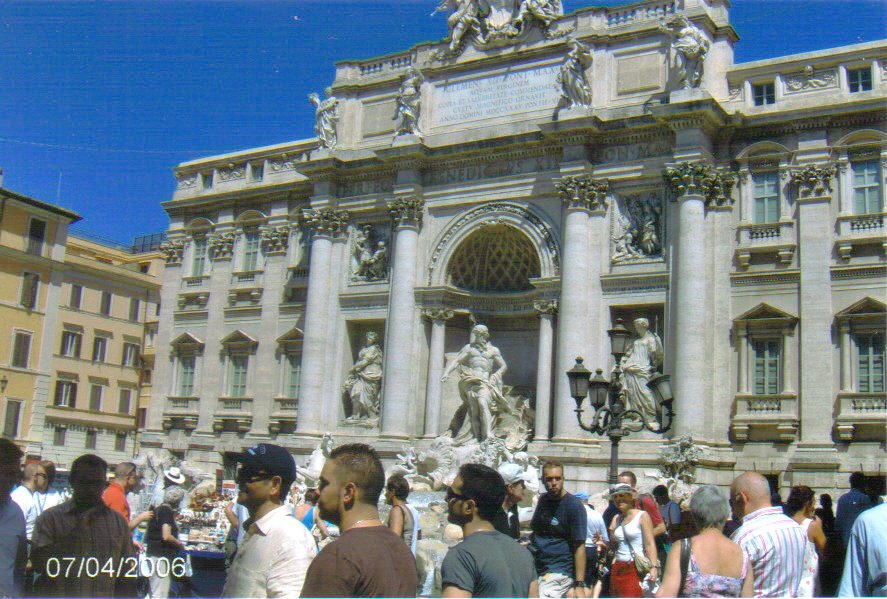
(745, 544)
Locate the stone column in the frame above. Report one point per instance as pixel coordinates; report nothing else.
(846, 379)
(396, 384)
(546, 310)
(788, 358)
(694, 185)
(815, 242)
(742, 351)
(438, 318)
(325, 224)
(582, 197)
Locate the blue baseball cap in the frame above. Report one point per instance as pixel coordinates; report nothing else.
(273, 459)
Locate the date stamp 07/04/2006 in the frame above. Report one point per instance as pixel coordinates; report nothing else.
(127, 567)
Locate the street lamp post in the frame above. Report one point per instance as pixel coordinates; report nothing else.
(607, 398)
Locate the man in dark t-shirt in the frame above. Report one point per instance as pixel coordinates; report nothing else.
(368, 560)
(559, 529)
(486, 563)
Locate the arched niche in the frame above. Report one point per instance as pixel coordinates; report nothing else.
(522, 220)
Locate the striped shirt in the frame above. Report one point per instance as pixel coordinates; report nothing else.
(775, 545)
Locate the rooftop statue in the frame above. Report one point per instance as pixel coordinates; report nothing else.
(495, 23)
(326, 116)
(690, 48)
(573, 83)
(409, 104)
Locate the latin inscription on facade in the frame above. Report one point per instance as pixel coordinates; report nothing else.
(490, 170)
(630, 152)
(495, 96)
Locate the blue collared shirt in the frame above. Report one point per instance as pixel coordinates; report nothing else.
(865, 567)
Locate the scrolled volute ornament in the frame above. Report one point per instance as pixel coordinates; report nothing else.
(407, 212)
(813, 181)
(583, 192)
(325, 221)
(275, 240)
(700, 178)
(173, 252)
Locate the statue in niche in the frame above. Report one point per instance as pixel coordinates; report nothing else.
(573, 83)
(326, 115)
(690, 48)
(636, 230)
(643, 359)
(369, 259)
(365, 381)
(480, 386)
(409, 102)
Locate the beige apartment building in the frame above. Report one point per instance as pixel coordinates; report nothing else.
(32, 253)
(102, 355)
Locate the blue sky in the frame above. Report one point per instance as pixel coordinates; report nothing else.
(100, 100)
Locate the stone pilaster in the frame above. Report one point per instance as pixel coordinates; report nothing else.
(815, 239)
(438, 318)
(547, 311)
(325, 224)
(584, 199)
(694, 186)
(397, 386)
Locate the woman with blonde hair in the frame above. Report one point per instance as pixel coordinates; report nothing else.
(631, 536)
(713, 565)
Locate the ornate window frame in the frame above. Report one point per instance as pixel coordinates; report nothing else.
(186, 345)
(855, 230)
(774, 416)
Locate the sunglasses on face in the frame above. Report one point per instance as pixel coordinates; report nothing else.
(452, 496)
(251, 477)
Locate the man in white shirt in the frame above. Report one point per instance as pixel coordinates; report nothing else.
(277, 549)
(774, 543)
(25, 495)
(597, 530)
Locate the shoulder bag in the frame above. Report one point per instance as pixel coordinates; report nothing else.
(642, 563)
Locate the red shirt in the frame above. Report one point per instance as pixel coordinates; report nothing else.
(115, 498)
(648, 504)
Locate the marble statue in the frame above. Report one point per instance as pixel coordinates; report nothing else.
(364, 381)
(642, 360)
(571, 79)
(635, 235)
(690, 47)
(369, 256)
(409, 102)
(308, 476)
(326, 116)
(496, 23)
(480, 386)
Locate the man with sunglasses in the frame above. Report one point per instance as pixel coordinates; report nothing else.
(487, 563)
(13, 542)
(277, 549)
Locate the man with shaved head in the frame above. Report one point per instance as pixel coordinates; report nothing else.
(773, 542)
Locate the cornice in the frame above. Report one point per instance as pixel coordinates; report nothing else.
(656, 281)
(868, 271)
(765, 278)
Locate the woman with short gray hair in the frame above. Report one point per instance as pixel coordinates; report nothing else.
(715, 565)
(163, 545)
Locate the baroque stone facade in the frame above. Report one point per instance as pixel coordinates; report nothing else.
(738, 208)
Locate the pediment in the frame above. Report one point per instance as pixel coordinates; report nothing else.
(291, 338)
(765, 311)
(238, 337)
(865, 307)
(186, 340)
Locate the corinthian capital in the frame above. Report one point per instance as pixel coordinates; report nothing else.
(325, 221)
(700, 178)
(437, 314)
(813, 181)
(583, 192)
(275, 240)
(546, 307)
(407, 212)
(173, 251)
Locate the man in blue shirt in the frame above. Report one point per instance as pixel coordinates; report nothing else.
(865, 568)
(13, 542)
(851, 505)
(559, 528)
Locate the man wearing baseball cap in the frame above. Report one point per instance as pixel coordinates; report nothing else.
(277, 549)
(507, 521)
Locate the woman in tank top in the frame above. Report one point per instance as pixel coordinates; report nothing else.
(799, 507)
(716, 566)
(631, 534)
(403, 520)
